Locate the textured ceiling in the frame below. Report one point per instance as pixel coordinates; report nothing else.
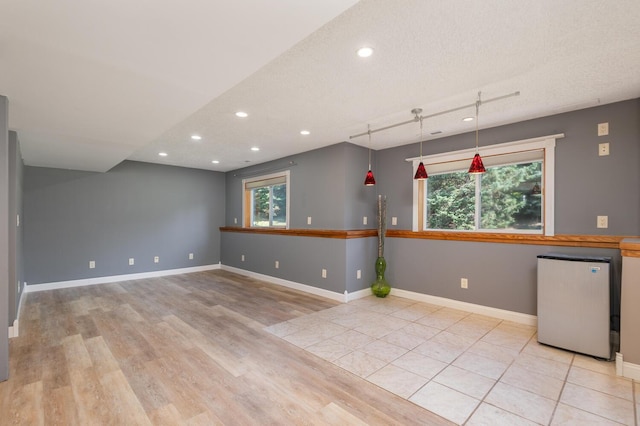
(91, 84)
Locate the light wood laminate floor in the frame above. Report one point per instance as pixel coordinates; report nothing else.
(188, 349)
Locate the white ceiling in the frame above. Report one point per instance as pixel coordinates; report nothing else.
(93, 83)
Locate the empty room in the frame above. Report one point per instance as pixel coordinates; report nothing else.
(375, 212)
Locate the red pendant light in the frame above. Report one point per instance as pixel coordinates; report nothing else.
(476, 164)
(421, 172)
(369, 180)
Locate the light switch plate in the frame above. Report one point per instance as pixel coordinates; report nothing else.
(603, 129)
(603, 222)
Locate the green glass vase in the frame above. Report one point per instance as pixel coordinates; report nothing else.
(380, 286)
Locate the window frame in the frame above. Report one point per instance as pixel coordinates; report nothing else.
(248, 184)
(546, 144)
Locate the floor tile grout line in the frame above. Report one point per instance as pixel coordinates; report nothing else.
(564, 384)
(482, 401)
(390, 314)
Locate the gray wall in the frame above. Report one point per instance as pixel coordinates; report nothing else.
(137, 210)
(4, 238)
(328, 185)
(586, 185)
(16, 271)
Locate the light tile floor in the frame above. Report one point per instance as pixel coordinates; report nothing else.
(468, 368)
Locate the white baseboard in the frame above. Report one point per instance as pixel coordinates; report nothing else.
(358, 294)
(340, 297)
(626, 369)
(115, 278)
(469, 307)
(14, 329)
(347, 297)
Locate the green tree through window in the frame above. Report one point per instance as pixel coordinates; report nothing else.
(506, 199)
(266, 201)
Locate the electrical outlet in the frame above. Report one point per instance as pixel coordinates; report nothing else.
(324, 273)
(358, 274)
(277, 264)
(603, 222)
(464, 283)
(364, 220)
(603, 149)
(156, 259)
(394, 221)
(242, 258)
(235, 220)
(190, 256)
(603, 129)
(92, 264)
(308, 220)
(132, 261)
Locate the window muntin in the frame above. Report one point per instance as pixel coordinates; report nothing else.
(525, 161)
(266, 201)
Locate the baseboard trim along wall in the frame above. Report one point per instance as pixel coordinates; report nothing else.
(626, 369)
(13, 330)
(339, 297)
(441, 301)
(115, 278)
(469, 307)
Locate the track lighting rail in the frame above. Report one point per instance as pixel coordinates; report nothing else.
(423, 117)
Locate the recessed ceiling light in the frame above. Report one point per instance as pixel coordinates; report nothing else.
(196, 137)
(162, 154)
(467, 119)
(365, 52)
(242, 114)
(305, 132)
(215, 162)
(255, 148)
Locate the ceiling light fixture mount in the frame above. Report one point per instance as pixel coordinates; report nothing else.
(413, 120)
(421, 172)
(305, 132)
(196, 137)
(241, 114)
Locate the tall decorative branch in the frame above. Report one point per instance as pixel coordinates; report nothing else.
(382, 223)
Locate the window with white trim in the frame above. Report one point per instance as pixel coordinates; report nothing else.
(515, 195)
(266, 201)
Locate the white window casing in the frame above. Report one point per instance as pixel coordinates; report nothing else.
(523, 151)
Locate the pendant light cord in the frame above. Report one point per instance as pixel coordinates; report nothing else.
(420, 138)
(477, 113)
(369, 131)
